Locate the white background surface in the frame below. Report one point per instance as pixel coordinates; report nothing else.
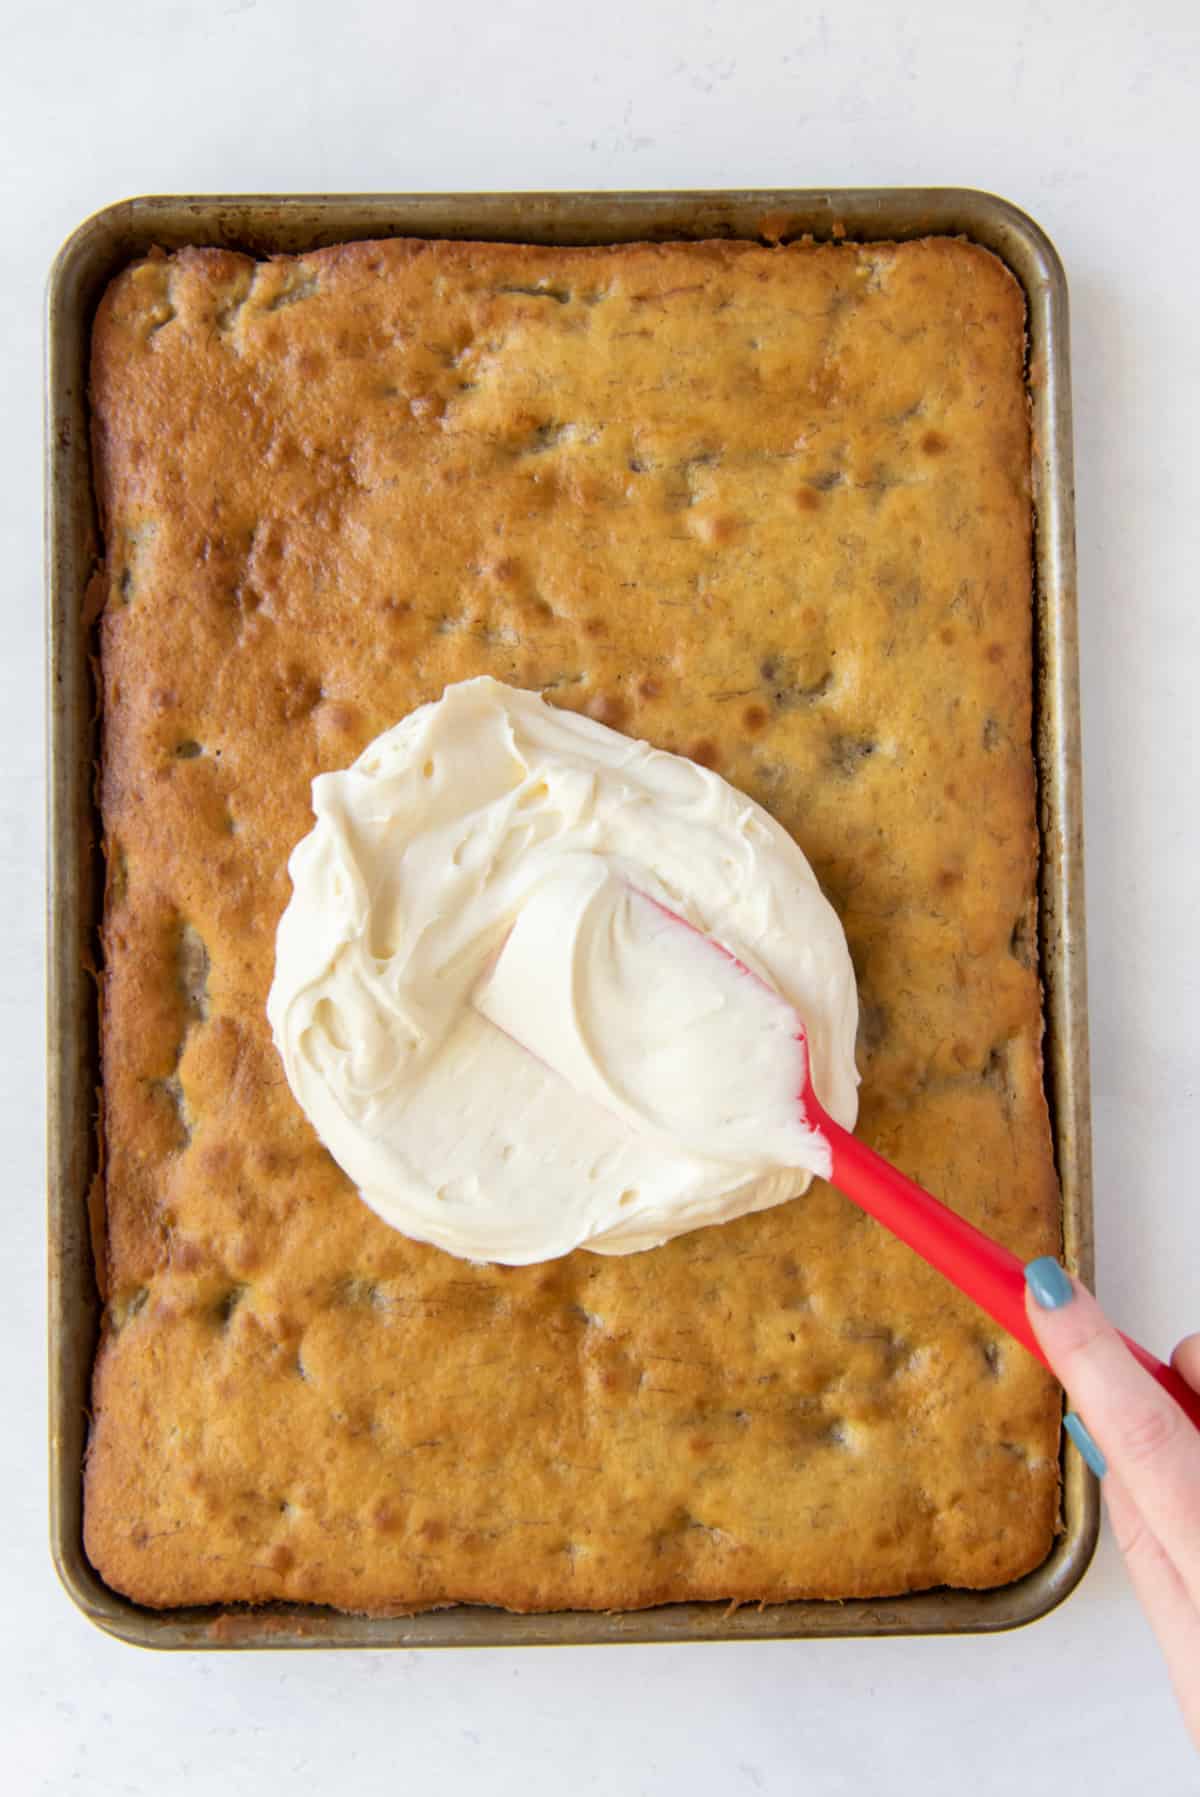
(1085, 113)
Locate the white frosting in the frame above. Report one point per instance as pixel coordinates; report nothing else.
(646, 1017)
(482, 873)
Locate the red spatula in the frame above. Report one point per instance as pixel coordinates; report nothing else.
(977, 1265)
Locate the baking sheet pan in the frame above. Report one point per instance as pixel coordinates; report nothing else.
(262, 225)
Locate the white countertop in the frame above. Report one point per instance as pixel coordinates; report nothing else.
(1086, 114)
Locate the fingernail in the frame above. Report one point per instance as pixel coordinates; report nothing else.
(1049, 1283)
(1078, 1430)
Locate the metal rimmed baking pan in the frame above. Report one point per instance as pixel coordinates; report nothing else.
(262, 225)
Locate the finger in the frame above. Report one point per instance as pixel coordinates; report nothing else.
(1186, 1360)
(1142, 1432)
(1160, 1590)
(1155, 1579)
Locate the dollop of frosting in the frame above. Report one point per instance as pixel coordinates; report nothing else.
(494, 1029)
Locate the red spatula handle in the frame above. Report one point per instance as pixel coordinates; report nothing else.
(972, 1261)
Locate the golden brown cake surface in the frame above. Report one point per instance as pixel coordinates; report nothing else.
(766, 507)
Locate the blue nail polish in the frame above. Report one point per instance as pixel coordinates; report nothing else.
(1077, 1429)
(1049, 1284)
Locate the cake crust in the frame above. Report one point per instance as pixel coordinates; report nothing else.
(767, 507)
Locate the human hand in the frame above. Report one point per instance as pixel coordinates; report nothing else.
(1146, 1452)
